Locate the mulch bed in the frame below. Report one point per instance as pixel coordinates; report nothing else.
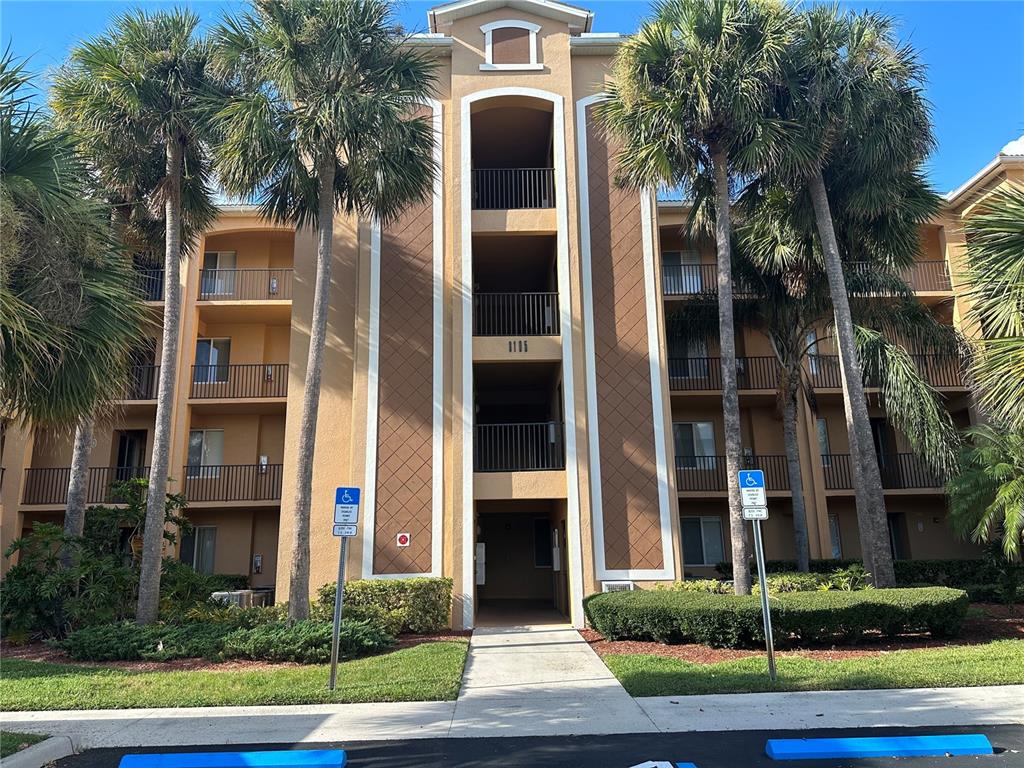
(42, 652)
(1001, 622)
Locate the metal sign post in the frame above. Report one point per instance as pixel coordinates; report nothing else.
(755, 508)
(346, 515)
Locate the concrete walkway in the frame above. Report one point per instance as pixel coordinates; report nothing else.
(321, 723)
(541, 681)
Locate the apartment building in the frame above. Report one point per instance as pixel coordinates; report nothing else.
(498, 378)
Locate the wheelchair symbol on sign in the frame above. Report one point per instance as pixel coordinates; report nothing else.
(749, 480)
(346, 498)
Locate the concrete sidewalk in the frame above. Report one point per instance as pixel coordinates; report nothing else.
(569, 715)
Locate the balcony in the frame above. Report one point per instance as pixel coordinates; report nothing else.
(690, 374)
(939, 371)
(899, 471)
(246, 284)
(922, 276)
(150, 284)
(701, 280)
(515, 314)
(232, 482)
(702, 474)
(496, 189)
(143, 383)
(532, 447)
(257, 380)
(50, 486)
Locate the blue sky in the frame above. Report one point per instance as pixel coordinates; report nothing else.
(974, 50)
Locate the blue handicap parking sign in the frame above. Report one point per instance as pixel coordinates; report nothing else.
(346, 496)
(751, 478)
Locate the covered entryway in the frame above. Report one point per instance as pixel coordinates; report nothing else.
(521, 569)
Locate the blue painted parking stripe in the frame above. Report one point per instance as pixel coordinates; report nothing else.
(298, 758)
(685, 765)
(879, 746)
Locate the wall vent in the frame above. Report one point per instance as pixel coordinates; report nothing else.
(617, 586)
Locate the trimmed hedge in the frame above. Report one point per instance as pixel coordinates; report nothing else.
(418, 605)
(730, 621)
(947, 573)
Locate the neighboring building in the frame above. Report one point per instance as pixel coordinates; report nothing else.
(497, 377)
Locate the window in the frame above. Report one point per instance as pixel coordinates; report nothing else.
(542, 543)
(702, 541)
(510, 44)
(205, 452)
(197, 548)
(695, 444)
(682, 272)
(218, 273)
(212, 360)
(813, 362)
(688, 359)
(834, 538)
(823, 447)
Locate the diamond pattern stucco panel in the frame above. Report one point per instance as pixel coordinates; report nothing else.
(629, 482)
(405, 430)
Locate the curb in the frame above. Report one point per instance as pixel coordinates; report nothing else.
(38, 755)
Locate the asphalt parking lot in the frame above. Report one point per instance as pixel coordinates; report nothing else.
(732, 749)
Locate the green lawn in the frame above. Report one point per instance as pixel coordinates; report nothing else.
(11, 741)
(426, 672)
(997, 663)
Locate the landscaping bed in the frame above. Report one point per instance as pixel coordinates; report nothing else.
(984, 624)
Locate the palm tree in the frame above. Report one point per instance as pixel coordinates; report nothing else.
(786, 297)
(986, 500)
(74, 318)
(995, 290)
(322, 119)
(690, 95)
(138, 92)
(854, 111)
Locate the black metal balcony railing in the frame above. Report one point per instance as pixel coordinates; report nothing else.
(508, 188)
(938, 370)
(245, 284)
(238, 381)
(515, 314)
(50, 486)
(143, 383)
(688, 374)
(709, 473)
(921, 276)
(899, 471)
(519, 447)
(232, 482)
(151, 284)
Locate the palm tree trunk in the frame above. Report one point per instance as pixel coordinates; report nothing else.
(78, 483)
(796, 482)
(871, 515)
(298, 585)
(153, 534)
(730, 394)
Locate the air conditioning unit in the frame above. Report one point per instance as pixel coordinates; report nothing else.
(617, 586)
(238, 597)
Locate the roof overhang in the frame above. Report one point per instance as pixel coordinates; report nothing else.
(579, 19)
(1011, 156)
(596, 43)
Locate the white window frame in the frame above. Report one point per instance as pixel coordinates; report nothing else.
(824, 445)
(205, 471)
(211, 366)
(221, 283)
(488, 29)
(703, 546)
(710, 464)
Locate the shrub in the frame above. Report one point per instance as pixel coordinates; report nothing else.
(125, 641)
(782, 583)
(713, 586)
(732, 621)
(307, 642)
(39, 596)
(417, 605)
